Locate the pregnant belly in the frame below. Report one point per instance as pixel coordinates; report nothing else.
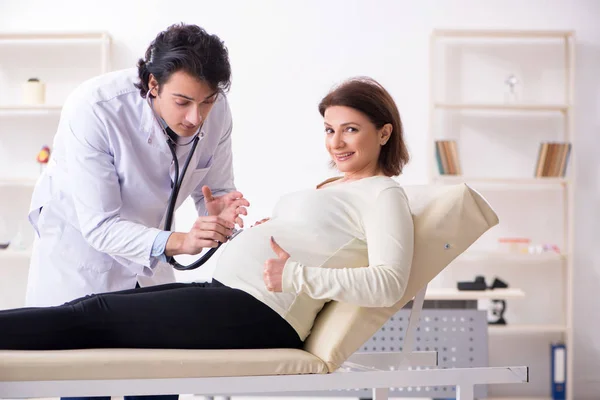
(251, 248)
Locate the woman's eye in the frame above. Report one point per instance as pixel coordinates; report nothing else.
(351, 129)
(328, 130)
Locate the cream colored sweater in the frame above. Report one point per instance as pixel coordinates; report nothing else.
(351, 242)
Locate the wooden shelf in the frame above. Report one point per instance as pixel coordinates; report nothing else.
(59, 37)
(522, 182)
(24, 182)
(29, 109)
(455, 294)
(503, 107)
(9, 253)
(525, 329)
(502, 34)
(520, 258)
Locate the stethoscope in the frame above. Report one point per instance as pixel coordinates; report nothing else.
(175, 186)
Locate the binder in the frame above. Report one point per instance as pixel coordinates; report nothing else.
(558, 373)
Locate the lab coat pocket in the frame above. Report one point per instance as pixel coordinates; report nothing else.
(73, 251)
(195, 179)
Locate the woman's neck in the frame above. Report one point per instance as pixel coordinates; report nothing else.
(354, 176)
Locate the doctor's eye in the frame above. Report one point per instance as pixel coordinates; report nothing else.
(212, 99)
(182, 104)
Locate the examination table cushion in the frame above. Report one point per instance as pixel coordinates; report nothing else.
(91, 364)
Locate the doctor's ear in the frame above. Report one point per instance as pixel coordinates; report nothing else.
(153, 86)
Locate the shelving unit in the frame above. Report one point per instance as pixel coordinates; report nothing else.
(526, 329)
(470, 103)
(520, 258)
(503, 107)
(61, 61)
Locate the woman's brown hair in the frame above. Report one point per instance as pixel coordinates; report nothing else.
(370, 98)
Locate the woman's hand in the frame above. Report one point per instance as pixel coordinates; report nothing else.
(273, 271)
(229, 206)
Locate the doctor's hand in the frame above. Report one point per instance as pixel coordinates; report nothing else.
(262, 221)
(273, 271)
(229, 206)
(206, 232)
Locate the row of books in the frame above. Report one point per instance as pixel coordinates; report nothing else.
(553, 158)
(446, 153)
(552, 161)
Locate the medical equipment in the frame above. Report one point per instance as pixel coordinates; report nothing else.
(175, 186)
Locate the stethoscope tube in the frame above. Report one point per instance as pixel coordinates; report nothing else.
(176, 185)
(171, 208)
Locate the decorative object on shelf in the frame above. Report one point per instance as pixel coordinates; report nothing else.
(520, 245)
(553, 158)
(43, 156)
(498, 284)
(34, 92)
(477, 284)
(446, 153)
(513, 244)
(496, 310)
(480, 284)
(4, 234)
(511, 96)
(543, 248)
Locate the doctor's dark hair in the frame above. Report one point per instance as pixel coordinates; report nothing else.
(187, 48)
(367, 96)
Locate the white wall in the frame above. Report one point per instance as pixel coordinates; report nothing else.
(285, 56)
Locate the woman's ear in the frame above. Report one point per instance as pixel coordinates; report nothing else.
(384, 134)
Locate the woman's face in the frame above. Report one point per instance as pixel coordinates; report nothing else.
(184, 102)
(353, 141)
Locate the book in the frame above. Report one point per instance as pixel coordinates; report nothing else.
(446, 153)
(558, 373)
(553, 159)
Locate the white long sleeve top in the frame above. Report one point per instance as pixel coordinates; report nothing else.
(351, 242)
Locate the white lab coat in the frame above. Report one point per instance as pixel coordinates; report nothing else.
(104, 194)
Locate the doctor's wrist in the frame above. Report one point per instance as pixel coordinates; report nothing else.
(175, 244)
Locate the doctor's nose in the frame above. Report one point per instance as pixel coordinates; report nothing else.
(194, 117)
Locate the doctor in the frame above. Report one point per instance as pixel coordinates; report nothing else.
(99, 208)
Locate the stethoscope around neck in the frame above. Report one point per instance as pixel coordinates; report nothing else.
(175, 187)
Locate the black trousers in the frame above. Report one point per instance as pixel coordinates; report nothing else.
(175, 316)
